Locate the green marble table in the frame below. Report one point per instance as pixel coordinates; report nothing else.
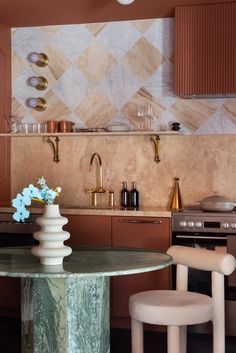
(65, 309)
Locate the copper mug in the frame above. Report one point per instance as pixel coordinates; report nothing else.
(65, 126)
(51, 126)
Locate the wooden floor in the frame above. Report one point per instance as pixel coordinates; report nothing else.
(120, 340)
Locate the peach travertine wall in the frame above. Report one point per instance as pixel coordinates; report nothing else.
(205, 164)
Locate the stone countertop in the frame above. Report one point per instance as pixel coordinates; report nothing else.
(75, 210)
(83, 262)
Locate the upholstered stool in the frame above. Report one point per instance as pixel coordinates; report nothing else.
(178, 308)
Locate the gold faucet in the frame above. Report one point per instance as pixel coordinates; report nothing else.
(100, 189)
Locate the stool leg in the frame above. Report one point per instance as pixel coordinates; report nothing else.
(183, 339)
(219, 313)
(136, 336)
(173, 339)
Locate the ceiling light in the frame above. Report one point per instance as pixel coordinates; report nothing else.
(125, 2)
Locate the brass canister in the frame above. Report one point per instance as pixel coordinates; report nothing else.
(176, 201)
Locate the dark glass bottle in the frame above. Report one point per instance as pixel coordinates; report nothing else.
(134, 196)
(125, 195)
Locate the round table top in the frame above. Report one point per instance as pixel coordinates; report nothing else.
(109, 261)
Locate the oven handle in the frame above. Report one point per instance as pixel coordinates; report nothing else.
(199, 237)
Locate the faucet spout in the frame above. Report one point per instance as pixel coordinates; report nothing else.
(101, 187)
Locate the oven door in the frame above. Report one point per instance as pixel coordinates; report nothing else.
(200, 281)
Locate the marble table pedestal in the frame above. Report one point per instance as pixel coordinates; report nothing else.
(65, 315)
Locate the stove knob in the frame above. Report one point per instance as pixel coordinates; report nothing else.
(191, 224)
(182, 224)
(233, 225)
(198, 224)
(225, 225)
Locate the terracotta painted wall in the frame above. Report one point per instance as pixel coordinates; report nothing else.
(5, 108)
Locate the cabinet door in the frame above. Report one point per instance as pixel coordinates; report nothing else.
(146, 233)
(89, 230)
(205, 53)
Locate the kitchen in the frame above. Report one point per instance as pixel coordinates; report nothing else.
(203, 155)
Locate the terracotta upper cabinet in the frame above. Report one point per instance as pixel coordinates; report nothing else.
(205, 50)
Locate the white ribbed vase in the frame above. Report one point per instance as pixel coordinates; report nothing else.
(51, 249)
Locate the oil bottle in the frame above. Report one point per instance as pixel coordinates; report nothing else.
(134, 196)
(125, 195)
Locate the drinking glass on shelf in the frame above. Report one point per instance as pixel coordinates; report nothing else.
(150, 116)
(141, 118)
(14, 122)
(144, 117)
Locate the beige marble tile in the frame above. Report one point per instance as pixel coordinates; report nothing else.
(57, 65)
(56, 109)
(49, 30)
(95, 110)
(18, 67)
(95, 62)
(95, 28)
(192, 113)
(230, 109)
(142, 98)
(17, 108)
(142, 59)
(142, 25)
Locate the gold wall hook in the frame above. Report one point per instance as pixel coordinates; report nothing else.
(156, 141)
(39, 59)
(39, 104)
(55, 148)
(40, 82)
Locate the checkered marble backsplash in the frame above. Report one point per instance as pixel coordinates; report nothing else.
(100, 73)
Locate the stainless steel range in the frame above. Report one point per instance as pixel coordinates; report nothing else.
(215, 231)
(195, 220)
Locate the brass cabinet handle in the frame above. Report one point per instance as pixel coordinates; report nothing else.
(139, 221)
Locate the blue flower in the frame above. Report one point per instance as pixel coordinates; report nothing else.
(31, 191)
(20, 201)
(50, 196)
(20, 214)
(44, 194)
(42, 181)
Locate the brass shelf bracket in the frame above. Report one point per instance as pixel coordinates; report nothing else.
(55, 148)
(156, 141)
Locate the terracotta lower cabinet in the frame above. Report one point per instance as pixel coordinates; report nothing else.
(88, 230)
(147, 233)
